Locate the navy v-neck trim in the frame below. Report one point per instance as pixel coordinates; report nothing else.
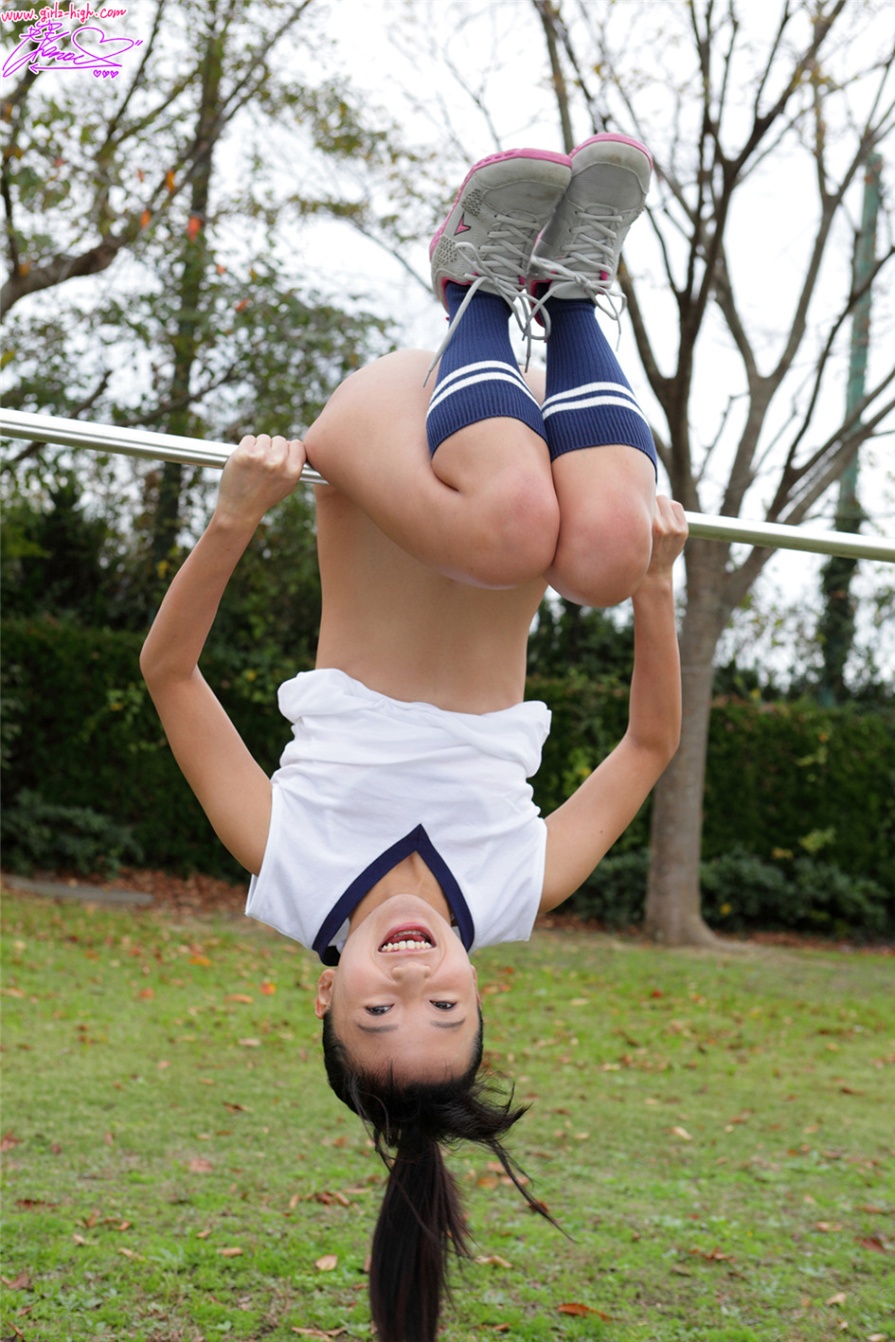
(417, 841)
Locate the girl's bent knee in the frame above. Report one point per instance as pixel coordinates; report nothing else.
(602, 565)
(517, 532)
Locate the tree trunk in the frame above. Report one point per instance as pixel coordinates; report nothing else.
(188, 333)
(673, 895)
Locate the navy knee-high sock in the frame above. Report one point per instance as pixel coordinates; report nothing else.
(589, 402)
(478, 377)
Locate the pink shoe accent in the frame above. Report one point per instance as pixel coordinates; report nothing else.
(616, 139)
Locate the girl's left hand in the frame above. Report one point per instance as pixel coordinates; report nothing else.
(669, 534)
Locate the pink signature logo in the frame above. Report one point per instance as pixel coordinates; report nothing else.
(57, 49)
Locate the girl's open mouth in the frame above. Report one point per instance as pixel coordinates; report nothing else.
(408, 938)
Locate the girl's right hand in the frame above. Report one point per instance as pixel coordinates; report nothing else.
(260, 473)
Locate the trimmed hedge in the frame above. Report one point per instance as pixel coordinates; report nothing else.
(785, 782)
(79, 730)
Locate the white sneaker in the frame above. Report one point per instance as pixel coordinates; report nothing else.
(577, 255)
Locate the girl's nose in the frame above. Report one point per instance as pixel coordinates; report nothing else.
(410, 970)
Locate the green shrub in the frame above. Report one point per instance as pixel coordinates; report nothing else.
(44, 835)
(616, 892)
(742, 892)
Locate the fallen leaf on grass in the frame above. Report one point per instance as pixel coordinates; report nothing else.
(239, 997)
(20, 1282)
(230, 1253)
(9, 1140)
(200, 960)
(713, 1255)
(838, 1299)
(492, 1260)
(200, 1165)
(874, 1244)
(202, 1234)
(827, 1227)
(129, 1253)
(249, 1043)
(327, 1263)
(327, 1198)
(319, 1332)
(682, 1133)
(268, 989)
(583, 1311)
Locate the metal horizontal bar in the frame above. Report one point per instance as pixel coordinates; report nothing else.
(196, 452)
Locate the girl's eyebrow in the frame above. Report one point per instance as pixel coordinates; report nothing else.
(436, 1025)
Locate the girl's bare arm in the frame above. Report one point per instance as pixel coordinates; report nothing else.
(230, 785)
(581, 831)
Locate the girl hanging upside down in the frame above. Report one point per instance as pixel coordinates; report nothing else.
(399, 834)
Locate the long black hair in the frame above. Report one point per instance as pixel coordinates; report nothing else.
(421, 1221)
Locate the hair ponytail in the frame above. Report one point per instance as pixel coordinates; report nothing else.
(421, 1223)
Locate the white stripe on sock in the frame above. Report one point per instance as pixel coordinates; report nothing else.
(592, 401)
(618, 388)
(477, 367)
(504, 375)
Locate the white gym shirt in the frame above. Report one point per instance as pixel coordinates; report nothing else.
(367, 780)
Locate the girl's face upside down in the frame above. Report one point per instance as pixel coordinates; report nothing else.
(404, 995)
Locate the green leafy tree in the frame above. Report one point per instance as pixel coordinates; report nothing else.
(171, 196)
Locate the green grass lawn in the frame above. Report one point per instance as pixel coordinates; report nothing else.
(714, 1132)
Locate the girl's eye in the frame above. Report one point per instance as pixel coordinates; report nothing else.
(444, 1006)
(377, 1010)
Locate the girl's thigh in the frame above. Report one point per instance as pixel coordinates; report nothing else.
(606, 501)
(482, 510)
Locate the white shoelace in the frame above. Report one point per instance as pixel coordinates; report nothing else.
(594, 252)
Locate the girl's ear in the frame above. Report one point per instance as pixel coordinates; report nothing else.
(324, 993)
